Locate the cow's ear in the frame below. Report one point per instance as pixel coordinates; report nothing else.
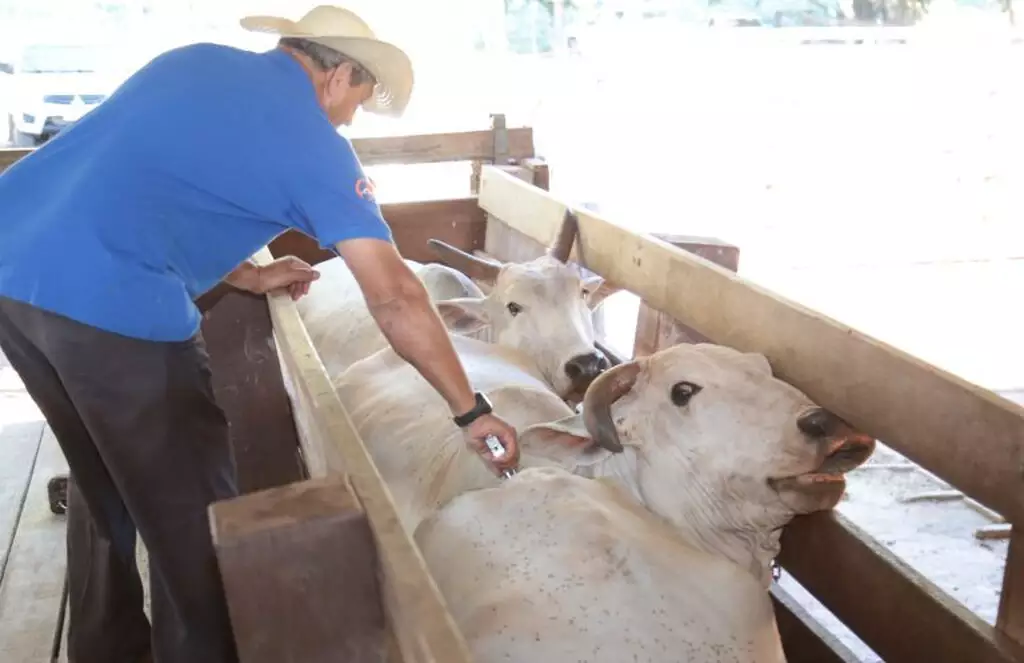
(565, 442)
(464, 315)
(598, 290)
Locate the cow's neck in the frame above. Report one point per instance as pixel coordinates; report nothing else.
(750, 545)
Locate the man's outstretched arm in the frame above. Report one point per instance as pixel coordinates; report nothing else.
(408, 319)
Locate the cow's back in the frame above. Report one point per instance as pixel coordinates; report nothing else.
(408, 429)
(553, 567)
(339, 322)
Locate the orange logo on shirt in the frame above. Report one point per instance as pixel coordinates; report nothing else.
(365, 188)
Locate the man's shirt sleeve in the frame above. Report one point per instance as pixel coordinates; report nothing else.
(332, 199)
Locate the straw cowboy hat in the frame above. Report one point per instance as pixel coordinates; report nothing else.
(343, 31)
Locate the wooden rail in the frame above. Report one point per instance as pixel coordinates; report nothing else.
(964, 434)
(416, 149)
(416, 611)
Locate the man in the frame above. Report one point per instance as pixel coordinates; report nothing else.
(107, 236)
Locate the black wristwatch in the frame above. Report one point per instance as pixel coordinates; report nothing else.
(482, 407)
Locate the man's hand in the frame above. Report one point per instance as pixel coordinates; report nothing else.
(489, 424)
(285, 272)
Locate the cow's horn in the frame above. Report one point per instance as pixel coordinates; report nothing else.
(562, 246)
(609, 387)
(470, 265)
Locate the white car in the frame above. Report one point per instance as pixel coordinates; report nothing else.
(51, 86)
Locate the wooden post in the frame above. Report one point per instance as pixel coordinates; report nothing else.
(248, 386)
(1010, 619)
(656, 330)
(500, 154)
(299, 568)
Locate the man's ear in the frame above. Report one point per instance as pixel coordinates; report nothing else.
(598, 290)
(463, 315)
(565, 442)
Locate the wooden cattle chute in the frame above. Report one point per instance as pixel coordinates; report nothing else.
(295, 505)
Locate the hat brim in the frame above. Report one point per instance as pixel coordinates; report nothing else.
(389, 64)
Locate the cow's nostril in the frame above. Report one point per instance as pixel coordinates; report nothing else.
(586, 366)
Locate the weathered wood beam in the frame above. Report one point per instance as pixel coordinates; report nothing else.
(417, 149)
(416, 611)
(899, 613)
(459, 222)
(298, 565)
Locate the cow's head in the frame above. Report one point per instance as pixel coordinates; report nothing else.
(542, 308)
(714, 443)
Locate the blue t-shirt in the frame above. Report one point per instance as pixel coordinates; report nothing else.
(196, 162)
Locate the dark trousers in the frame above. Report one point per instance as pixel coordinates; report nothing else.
(147, 447)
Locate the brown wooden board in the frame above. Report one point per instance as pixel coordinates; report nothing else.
(966, 435)
(279, 551)
(9, 155)
(424, 148)
(1011, 605)
(416, 612)
(459, 222)
(435, 148)
(655, 329)
(247, 385)
(897, 612)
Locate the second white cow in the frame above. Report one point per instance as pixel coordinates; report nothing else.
(337, 318)
(542, 307)
(702, 457)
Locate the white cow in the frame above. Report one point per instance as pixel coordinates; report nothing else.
(703, 457)
(542, 307)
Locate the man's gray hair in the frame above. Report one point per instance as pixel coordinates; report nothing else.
(326, 58)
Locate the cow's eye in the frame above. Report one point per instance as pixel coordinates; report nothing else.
(514, 309)
(682, 392)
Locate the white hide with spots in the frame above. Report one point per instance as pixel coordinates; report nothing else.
(555, 567)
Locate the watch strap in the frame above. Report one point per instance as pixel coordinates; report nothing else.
(482, 407)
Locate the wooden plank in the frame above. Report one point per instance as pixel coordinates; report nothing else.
(30, 594)
(416, 611)
(896, 611)
(384, 150)
(459, 222)
(298, 565)
(435, 148)
(247, 385)
(803, 638)
(1010, 619)
(966, 435)
(9, 155)
(656, 329)
(19, 444)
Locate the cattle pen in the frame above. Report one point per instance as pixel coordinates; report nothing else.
(315, 563)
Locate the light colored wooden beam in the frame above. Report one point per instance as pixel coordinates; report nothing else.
(419, 618)
(966, 435)
(423, 148)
